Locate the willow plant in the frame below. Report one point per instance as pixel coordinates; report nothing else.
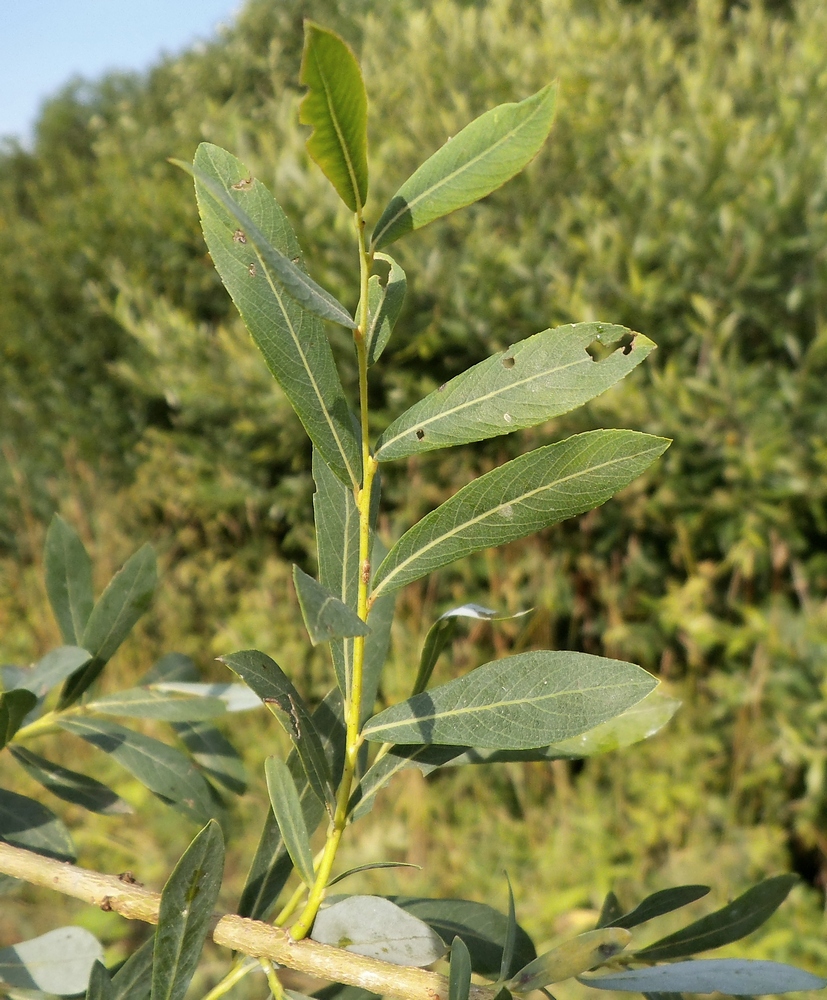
(535, 705)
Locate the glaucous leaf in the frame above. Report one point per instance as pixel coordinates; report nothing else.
(384, 306)
(277, 692)
(291, 338)
(482, 928)
(236, 697)
(373, 926)
(30, 825)
(529, 493)
(164, 770)
(482, 157)
(287, 808)
(70, 786)
(53, 669)
(14, 707)
(325, 616)
(523, 701)
(185, 913)
(733, 976)
(68, 579)
(336, 105)
(527, 384)
(58, 962)
(732, 922)
(171, 667)
(570, 959)
(150, 703)
(459, 975)
(659, 903)
(214, 754)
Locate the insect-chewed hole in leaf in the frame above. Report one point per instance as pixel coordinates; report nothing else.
(243, 185)
(239, 237)
(599, 351)
(509, 362)
(420, 434)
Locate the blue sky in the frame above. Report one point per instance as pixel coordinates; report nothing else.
(43, 43)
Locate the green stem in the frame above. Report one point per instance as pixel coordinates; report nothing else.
(235, 975)
(353, 708)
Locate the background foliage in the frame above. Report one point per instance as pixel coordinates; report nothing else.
(683, 194)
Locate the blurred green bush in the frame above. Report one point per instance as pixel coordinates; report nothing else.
(683, 193)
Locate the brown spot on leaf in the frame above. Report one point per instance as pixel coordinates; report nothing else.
(239, 237)
(420, 434)
(243, 185)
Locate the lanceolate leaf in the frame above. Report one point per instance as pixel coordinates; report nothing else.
(524, 495)
(27, 824)
(58, 962)
(459, 976)
(291, 339)
(14, 707)
(325, 616)
(733, 976)
(370, 867)
(375, 927)
(659, 903)
(570, 959)
(472, 164)
(610, 911)
(234, 697)
(68, 579)
(163, 769)
(337, 108)
(523, 701)
(214, 754)
(384, 305)
(134, 978)
(53, 668)
(510, 935)
(146, 703)
(482, 928)
(531, 382)
(286, 805)
(734, 921)
(377, 643)
(71, 786)
(274, 688)
(100, 983)
(185, 914)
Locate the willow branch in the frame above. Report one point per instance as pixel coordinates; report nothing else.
(121, 894)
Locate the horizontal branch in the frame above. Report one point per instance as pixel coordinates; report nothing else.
(123, 895)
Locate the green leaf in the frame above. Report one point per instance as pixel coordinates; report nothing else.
(527, 384)
(472, 164)
(459, 975)
(384, 306)
(523, 701)
(149, 703)
(234, 697)
(733, 976)
(370, 867)
(277, 692)
(337, 108)
(52, 669)
(71, 786)
(427, 758)
(442, 632)
(14, 707)
(510, 935)
(287, 808)
(68, 579)
(325, 616)
(376, 928)
(337, 542)
(164, 770)
(271, 865)
(732, 922)
(185, 914)
(279, 268)
(570, 959)
(529, 493)
(659, 903)
(133, 981)
(214, 754)
(126, 598)
(610, 911)
(100, 983)
(289, 336)
(482, 928)
(30, 825)
(58, 962)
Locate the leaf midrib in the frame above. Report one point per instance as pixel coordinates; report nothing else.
(409, 205)
(493, 510)
(340, 136)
